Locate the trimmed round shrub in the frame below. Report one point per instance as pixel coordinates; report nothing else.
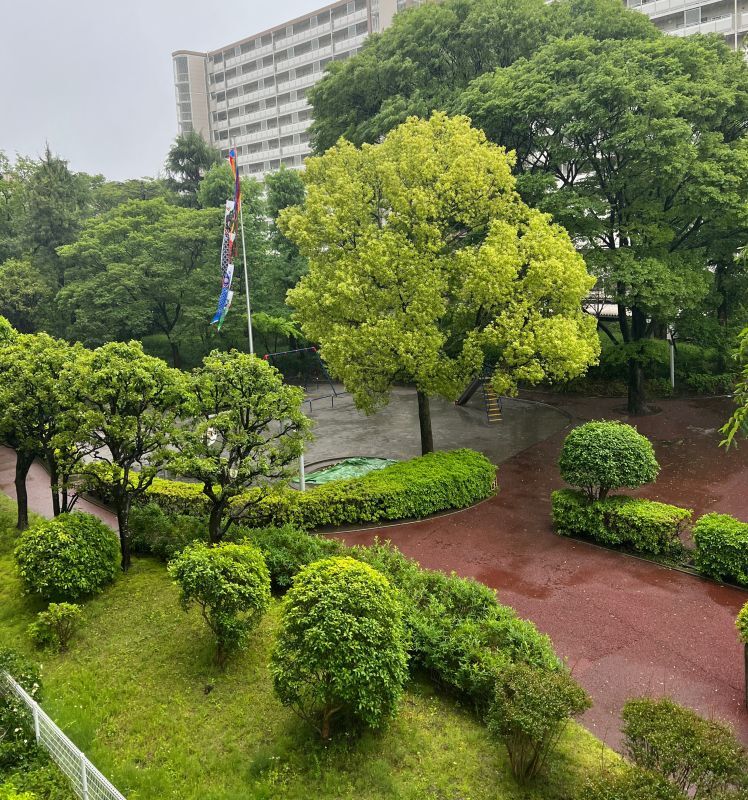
(69, 557)
(741, 623)
(341, 648)
(701, 757)
(529, 712)
(231, 585)
(600, 456)
(631, 783)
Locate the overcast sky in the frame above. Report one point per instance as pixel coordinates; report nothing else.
(94, 79)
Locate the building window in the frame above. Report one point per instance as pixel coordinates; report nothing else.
(693, 16)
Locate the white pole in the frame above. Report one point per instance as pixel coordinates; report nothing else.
(246, 279)
(302, 477)
(672, 357)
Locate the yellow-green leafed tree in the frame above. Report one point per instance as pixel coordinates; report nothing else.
(425, 267)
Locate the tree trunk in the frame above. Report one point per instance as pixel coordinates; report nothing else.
(176, 356)
(637, 398)
(123, 521)
(326, 717)
(53, 479)
(215, 534)
(23, 465)
(424, 420)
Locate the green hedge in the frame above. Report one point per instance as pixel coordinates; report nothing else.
(408, 490)
(643, 525)
(722, 547)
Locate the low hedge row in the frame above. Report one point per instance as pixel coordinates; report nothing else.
(408, 490)
(722, 547)
(643, 525)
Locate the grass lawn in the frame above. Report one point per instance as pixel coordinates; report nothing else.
(139, 694)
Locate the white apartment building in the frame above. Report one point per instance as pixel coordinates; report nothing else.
(252, 94)
(684, 17)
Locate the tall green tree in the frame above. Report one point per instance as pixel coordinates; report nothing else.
(430, 54)
(31, 412)
(22, 291)
(638, 147)
(425, 266)
(246, 428)
(56, 202)
(107, 195)
(145, 267)
(126, 407)
(188, 160)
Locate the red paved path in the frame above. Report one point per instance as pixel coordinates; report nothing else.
(626, 626)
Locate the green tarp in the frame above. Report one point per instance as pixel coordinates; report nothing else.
(350, 468)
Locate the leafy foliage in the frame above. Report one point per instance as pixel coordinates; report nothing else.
(68, 557)
(424, 266)
(643, 525)
(17, 744)
(287, 550)
(56, 626)
(530, 709)
(631, 783)
(154, 532)
(129, 404)
(722, 547)
(600, 456)
(231, 585)
(246, 428)
(144, 266)
(741, 623)
(188, 161)
(637, 146)
(341, 647)
(411, 489)
(701, 757)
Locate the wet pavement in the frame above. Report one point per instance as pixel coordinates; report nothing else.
(627, 627)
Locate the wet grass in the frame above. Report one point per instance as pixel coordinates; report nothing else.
(138, 692)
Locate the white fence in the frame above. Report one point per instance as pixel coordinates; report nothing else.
(88, 783)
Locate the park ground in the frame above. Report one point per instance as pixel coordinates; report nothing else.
(626, 626)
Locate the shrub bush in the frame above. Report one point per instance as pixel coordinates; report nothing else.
(529, 711)
(342, 645)
(631, 783)
(741, 623)
(56, 626)
(643, 525)
(69, 557)
(722, 547)
(701, 757)
(17, 744)
(231, 585)
(287, 550)
(600, 456)
(9, 792)
(411, 489)
(154, 532)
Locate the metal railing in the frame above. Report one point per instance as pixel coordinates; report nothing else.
(87, 782)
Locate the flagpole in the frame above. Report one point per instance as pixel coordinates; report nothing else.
(246, 279)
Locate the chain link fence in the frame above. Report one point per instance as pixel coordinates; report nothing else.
(87, 782)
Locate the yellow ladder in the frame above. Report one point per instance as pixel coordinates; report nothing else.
(492, 402)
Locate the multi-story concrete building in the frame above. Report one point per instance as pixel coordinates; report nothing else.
(684, 17)
(252, 94)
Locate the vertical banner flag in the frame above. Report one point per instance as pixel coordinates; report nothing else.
(228, 247)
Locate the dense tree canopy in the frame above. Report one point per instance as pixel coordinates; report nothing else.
(425, 266)
(430, 54)
(145, 266)
(638, 148)
(189, 159)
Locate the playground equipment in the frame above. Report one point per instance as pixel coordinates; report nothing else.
(303, 367)
(491, 401)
